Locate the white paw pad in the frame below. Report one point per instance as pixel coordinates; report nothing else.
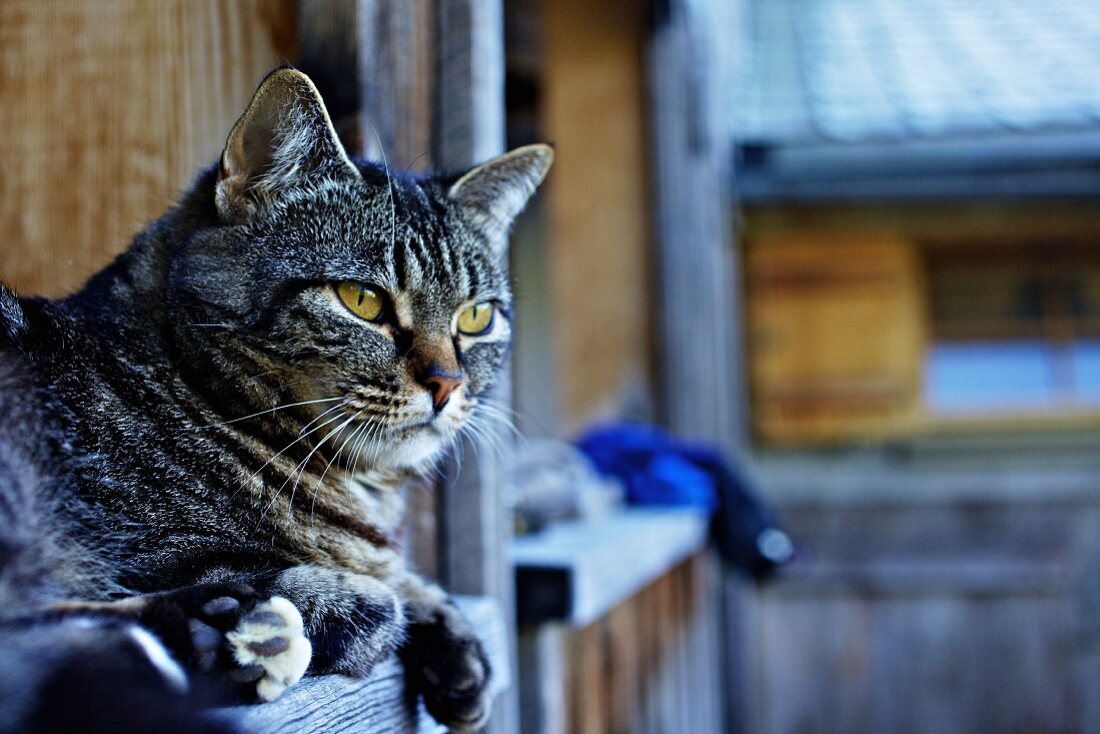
(271, 636)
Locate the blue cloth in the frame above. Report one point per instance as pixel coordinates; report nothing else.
(656, 468)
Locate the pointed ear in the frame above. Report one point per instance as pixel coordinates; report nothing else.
(490, 196)
(284, 141)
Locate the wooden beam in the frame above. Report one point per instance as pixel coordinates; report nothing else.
(702, 391)
(702, 384)
(597, 205)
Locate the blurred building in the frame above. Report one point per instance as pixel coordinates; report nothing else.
(919, 190)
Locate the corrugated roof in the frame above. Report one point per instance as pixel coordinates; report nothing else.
(878, 70)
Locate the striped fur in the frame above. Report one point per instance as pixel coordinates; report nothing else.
(213, 412)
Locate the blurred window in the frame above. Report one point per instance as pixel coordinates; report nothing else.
(1013, 329)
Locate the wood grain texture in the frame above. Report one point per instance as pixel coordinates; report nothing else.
(651, 664)
(702, 382)
(645, 668)
(597, 205)
(109, 110)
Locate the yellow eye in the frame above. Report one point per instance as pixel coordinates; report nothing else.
(476, 319)
(361, 300)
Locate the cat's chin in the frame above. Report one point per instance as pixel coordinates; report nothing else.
(417, 452)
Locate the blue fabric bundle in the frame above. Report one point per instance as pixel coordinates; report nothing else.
(656, 468)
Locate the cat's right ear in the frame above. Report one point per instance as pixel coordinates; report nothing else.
(283, 142)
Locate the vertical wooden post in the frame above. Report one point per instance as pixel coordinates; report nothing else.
(428, 91)
(695, 269)
(702, 386)
(475, 521)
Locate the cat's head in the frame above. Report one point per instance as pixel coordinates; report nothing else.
(380, 295)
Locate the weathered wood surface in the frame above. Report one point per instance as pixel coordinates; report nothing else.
(651, 665)
(576, 572)
(109, 110)
(944, 615)
(378, 704)
(701, 389)
(837, 335)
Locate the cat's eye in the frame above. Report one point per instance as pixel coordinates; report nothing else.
(361, 300)
(476, 319)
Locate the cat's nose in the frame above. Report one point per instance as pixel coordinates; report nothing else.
(441, 383)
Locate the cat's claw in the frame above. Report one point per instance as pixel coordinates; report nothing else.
(270, 647)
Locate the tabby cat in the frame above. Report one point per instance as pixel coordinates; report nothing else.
(203, 447)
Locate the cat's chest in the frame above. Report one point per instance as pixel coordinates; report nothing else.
(352, 525)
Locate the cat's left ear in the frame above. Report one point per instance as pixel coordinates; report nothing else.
(284, 141)
(490, 196)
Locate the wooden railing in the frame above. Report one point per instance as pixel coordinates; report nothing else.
(619, 626)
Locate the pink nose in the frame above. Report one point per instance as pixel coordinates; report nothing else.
(441, 384)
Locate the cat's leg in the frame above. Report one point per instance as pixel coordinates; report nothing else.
(444, 659)
(226, 629)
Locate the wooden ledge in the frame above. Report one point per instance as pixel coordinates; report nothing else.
(576, 572)
(379, 703)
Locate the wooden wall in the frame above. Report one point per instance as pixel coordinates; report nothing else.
(931, 616)
(109, 109)
(598, 220)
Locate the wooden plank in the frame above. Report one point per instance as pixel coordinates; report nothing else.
(379, 703)
(110, 109)
(917, 616)
(544, 678)
(596, 564)
(590, 714)
(624, 669)
(469, 120)
(703, 385)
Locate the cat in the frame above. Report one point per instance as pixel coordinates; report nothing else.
(203, 448)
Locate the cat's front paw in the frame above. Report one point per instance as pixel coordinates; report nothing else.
(230, 631)
(270, 638)
(451, 671)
